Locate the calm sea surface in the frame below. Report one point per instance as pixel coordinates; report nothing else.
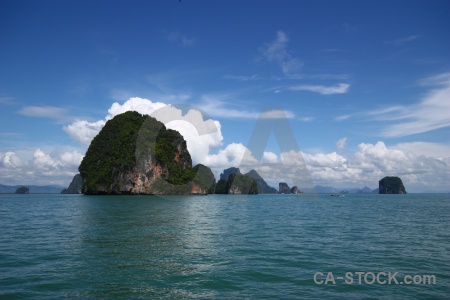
(219, 246)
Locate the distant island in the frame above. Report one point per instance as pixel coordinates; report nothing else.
(22, 190)
(136, 154)
(391, 185)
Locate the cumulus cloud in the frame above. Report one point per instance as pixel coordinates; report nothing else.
(340, 88)
(9, 160)
(424, 148)
(83, 131)
(276, 51)
(202, 134)
(429, 114)
(41, 167)
(372, 162)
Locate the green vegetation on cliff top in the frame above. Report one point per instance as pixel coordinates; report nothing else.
(122, 141)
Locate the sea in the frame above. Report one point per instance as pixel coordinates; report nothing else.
(225, 247)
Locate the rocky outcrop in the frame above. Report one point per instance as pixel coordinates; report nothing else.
(227, 172)
(236, 183)
(391, 185)
(294, 190)
(241, 184)
(75, 186)
(263, 187)
(283, 188)
(22, 190)
(136, 154)
(204, 181)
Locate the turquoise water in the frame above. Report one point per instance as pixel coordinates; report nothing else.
(219, 246)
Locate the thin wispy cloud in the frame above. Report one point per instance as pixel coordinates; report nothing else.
(402, 40)
(429, 114)
(219, 108)
(306, 119)
(277, 52)
(242, 77)
(331, 50)
(342, 118)
(7, 101)
(50, 112)
(340, 88)
(180, 39)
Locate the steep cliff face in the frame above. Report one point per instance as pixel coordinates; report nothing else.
(391, 185)
(227, 172)
(236, 183)
(294, 190)
(283, 188)
(241, 184)
(263, 187)
(136, 154)
(75, 186)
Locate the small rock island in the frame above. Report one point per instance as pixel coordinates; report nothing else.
(22, 190)
(391, 185)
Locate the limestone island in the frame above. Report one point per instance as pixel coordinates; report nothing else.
(136, 154)
(391, 185)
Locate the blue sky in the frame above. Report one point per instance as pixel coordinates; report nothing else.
(364, 84)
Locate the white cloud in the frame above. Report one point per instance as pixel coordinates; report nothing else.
(201, 135)
(423, 148)
(403, 40)
(340, 144)
(142, 106)
(276, 51)
(51, 112)
(219, 108)
(429, 114)
(341, 88)
(41, 167)
(83, 131)
(342, 118)
(181, 39)
(43, 161)
(270, 157)
(365, 167)
(9, 160)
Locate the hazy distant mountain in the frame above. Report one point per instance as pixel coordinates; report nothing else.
(33, 189)
(320, 189)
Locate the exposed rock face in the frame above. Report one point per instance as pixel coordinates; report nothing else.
(136, 154)
(283, 188)
(241, 184)
(75, 186)
(294, 190)
(263, 187)
(22, 190)
(391, 185)
(204, 181)
(227, 172)
(236, 184)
